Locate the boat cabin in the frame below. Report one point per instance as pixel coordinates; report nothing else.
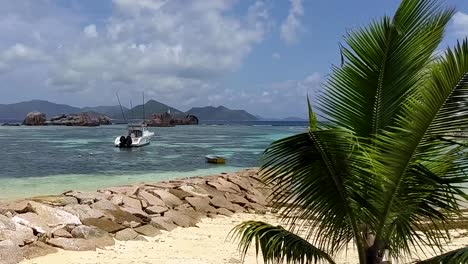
(136, 131)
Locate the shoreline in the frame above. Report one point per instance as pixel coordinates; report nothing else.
(84, 221)
(185, 220)
(24, 187)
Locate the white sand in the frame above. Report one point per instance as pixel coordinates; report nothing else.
(206, 244)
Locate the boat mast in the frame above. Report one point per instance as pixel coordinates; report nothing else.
(143, 107)
(131, 110)
(121, 109)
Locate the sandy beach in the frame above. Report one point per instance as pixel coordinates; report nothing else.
(206, 244)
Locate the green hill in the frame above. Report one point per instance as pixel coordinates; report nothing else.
(151, 107)
(221, 113)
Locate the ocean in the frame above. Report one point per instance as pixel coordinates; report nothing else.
(48, 160)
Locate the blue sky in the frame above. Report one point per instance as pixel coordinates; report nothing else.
(262, 56)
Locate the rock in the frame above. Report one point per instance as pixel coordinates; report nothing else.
(104, 205)
(221, 202)
(201, 204)
(257, 197)
(62, 233)
(188, 210)
(234, 198)
(74, 244)
(131, 202)
(19, 234)
(88, 232)
(117, 199)
(229, 185)
(53, 216)
(180, 218)
(148, 230)
(119, 189)
(14, 207)
(120, 216)
(220, 187)
(212, 191)
(83, 211)
(144, 203)
(87, 197)
(134, 211)
(55, 200)
(35, 119)
(224, 211)
(164, 223)
(140, 238)
(33, 221)
(181, 194)
(6, 223)
(104, 224)
(126, 234)
(37, 249)
(194, 191)
(80, 119)
(131, 224)
(258, 209)
(151, 199)
(156, 209)
(169, 199)
(241, 182)
(10, 253)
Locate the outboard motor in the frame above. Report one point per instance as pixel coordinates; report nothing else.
(129, 141)
(123, 142)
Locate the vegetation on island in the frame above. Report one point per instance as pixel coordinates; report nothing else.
(386, 172)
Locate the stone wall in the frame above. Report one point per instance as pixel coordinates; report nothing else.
(88, 220)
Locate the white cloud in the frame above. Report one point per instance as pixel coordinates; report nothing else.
(276, 56)
(292, 24)
(175, 50)
(90, 31)
(280, 99)
(460, 24)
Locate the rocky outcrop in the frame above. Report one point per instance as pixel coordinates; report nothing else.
(81, 119)
(168, 120)
(35, 119)
(86, 221)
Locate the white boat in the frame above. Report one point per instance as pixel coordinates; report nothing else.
(137, 136)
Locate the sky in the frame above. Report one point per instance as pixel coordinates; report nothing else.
(263, 56)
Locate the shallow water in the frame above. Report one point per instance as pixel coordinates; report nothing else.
(45, 160)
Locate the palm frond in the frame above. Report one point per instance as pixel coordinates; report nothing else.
(277, 244)
(383, 64)
(310, 181)
(422, 172)
(453, 257)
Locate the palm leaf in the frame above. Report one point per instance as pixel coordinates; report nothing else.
(422, 172)
(309, 177)
(383, 64)
(453, 257)
(277, 244)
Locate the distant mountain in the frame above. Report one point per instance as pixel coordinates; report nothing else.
(151, 107)
(106, 110)
(221, 113)
(20, 110)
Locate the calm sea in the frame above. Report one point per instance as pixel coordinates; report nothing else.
(47, 160)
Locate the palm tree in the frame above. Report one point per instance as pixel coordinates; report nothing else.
(387, 169)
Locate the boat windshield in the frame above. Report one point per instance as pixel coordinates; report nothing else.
(135, 133)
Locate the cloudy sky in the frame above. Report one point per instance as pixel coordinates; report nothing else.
(258, 55)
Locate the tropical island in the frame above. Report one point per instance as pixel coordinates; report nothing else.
(40, 112)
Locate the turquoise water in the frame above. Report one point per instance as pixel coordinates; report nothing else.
(46, 160)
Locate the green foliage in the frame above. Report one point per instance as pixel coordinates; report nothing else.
(392, 162)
